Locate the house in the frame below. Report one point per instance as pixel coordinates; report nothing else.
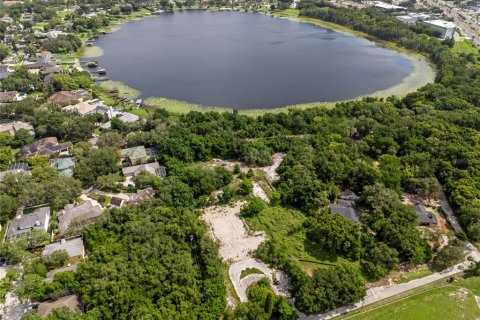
(345, 209)
(425, 217)
(86, 211)
(14, 126)
(8, 96)
(51, 274)
(25, 223)
(152, 168)
(85, 107)
(71, 302)
(125, 117)
(5, 72)
(128, 117)
(61, 98)
(45, 147)
(142, 195)
(116, 202)
(64, 165)
(73, 247)
(135, 155)
(16, 168)
(348, 195)
(51, 70)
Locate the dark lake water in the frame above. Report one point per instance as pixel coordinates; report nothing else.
(246, 60)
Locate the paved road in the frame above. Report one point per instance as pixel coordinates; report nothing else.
(381, 293)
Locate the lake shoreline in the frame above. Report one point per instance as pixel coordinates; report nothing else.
(422, 74)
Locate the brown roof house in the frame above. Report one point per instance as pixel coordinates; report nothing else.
(8, 96)
(142, 195)
(61, 98)
(45, 147)
(25, 223)
(135, 155)
(74, 248)
(84, 108)
(71, 302)
(86, 211)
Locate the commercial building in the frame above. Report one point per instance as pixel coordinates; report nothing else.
(446, 29)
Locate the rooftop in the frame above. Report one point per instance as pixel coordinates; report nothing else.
(73, 247)
(425, 217)
(441, 23)
(344, 210)
(134, 153)
(25, 223)
(153, 168)
(87, 210)
(71, 302)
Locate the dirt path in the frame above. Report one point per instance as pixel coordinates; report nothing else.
(271, 171)
(259, 192)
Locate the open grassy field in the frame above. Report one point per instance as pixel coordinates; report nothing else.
(440, 300)
(286, 225)
(465, 46)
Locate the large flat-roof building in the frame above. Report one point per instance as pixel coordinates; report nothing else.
(445, 28)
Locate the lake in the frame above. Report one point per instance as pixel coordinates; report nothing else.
(246, 60)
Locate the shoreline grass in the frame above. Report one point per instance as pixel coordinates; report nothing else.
(123, 89)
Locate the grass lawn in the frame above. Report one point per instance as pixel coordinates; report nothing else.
(250, 271)
(465, 46)
(412, 275)
(286, 225)
(139, 112)
(442, 301)
(123, 89)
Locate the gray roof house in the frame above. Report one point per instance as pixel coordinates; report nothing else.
(345, 210)
(153, 168)
(51, 274)
(16, 168)
(135, 155)
(116, 202)
(73, 247)
(64, 165)
(425, 217)
(25, 223)
(87, 210)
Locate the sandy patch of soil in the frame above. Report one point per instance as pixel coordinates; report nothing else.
(236, 246)
(259, 192)
(228, 229)
(271, 171)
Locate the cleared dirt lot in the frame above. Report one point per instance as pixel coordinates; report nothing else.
(228, 229)
(236, 247)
